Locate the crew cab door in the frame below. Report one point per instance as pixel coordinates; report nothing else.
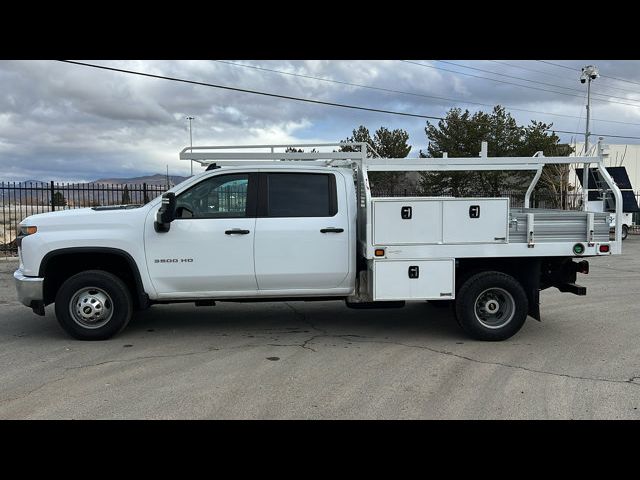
(208, 250)
(302, 233)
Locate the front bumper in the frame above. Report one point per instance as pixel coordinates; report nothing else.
(30, 291)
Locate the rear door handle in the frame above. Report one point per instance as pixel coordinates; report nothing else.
(236, 231)
(332, 230)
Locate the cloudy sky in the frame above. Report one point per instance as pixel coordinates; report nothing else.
(67, 122)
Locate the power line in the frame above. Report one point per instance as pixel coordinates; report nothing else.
(486, 78)
(534, 81)
(509, 76)
(557, 65)
(388, 90)
(526, 68)
(560, 76)
(594, 134)
(516, 84)
(255, 92)
(286, 97)
(604, 76)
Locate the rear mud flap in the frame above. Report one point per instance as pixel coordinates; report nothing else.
(534, 304)
(531, 284)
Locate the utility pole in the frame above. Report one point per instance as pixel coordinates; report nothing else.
(191, 140)
(589, 73)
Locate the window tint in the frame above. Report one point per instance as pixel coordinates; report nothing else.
(223, 196)
(301, 195)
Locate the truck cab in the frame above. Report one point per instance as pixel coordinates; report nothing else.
(242, 232)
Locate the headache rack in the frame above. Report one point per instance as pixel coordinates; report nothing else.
(540, 226)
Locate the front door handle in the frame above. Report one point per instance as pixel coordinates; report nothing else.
(236, 231)
(332, 230)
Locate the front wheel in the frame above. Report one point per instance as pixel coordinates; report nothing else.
(625, 232)
(491, 306)
(93, 305)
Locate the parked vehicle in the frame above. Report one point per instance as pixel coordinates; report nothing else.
(601, 199)
(304, 226)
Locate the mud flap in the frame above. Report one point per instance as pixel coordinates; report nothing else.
(531, 284)
(534, 304)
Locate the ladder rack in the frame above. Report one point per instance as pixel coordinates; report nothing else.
(206, 155)
(359, 160)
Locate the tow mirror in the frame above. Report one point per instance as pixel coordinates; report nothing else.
(167, 213)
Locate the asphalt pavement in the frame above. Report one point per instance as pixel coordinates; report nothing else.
(321, 360)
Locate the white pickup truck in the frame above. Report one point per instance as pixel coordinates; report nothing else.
(304, 226)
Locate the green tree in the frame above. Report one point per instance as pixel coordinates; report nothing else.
(298, 150)
(391, 143)
(126, 200)
(58, 200)
(460, 134)
(388, 144)
(360, 134)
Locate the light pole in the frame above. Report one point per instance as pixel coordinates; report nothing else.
(589, 73)
(191, 140)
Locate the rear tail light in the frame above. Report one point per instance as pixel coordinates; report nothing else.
(604, 248)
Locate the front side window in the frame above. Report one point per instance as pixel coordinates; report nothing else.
(223, 196)
(301, 195)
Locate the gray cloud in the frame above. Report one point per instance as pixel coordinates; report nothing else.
(69, 122)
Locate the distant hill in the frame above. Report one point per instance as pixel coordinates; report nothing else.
(157, 179)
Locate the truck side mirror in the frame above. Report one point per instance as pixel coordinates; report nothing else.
(167, 213)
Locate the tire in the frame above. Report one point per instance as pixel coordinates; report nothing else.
(625, 232)
(93, 305)
(491, 306)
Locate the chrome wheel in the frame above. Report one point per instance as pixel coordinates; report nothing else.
(495, 308)
(91, 307)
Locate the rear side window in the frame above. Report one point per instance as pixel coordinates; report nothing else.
(301, 195)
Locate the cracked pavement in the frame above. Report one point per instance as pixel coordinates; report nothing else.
(321, 360)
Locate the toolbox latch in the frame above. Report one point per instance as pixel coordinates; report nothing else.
(414, 271)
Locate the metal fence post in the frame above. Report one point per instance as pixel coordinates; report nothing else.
(53, 203)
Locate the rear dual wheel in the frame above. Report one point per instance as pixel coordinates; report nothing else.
(491, 306)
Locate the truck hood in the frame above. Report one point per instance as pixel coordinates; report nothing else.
(88, 217)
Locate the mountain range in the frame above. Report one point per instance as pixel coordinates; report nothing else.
(157, 179)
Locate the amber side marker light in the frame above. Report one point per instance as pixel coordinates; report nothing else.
(604, 248)
(379, 252)
(28, 230)
(25, 231)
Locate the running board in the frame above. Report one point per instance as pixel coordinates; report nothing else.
(371, 305)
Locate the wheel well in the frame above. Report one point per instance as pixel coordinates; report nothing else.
(518, 268)
(57, 267)
(525, 270)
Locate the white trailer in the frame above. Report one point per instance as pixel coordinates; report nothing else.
(305, 226)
